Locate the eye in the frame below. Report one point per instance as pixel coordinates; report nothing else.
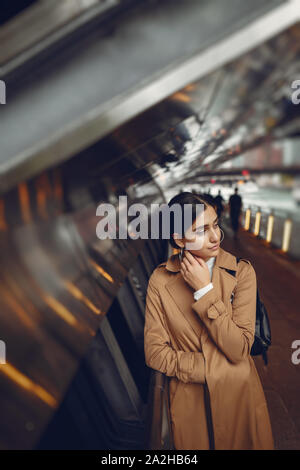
(202, 231)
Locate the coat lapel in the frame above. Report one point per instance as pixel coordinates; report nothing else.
(182, 293)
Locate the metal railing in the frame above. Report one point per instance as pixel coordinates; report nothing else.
(276, 227)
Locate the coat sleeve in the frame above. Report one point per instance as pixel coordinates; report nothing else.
(234, 336)
(159, 354)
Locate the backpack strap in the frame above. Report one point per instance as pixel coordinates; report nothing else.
(244, 259)
(232, 271)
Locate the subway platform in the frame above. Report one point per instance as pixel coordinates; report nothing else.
(278, 280)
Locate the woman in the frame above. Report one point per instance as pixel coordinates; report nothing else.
(199, 329)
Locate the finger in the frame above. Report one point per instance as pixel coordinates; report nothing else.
(200, 261)
(187, 266)
(185, 262)
(189, 257)
(183, 267)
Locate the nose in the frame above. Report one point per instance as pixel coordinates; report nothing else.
(215, 237)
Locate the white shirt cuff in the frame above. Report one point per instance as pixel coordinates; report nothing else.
(200, 292)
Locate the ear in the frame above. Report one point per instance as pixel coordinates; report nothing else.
(178, 240)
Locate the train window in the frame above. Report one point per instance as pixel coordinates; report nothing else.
(149, 256)
(139, 280)
(130, 341)
(153, 246)
(145, 262)
(131, 312)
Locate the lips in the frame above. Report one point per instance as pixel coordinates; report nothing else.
(214, 247)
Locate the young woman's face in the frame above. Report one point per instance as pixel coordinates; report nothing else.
(204, 237)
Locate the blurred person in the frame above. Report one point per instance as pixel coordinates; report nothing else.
(235, 205)
(208, 196)
(219, 200)
(201, 337)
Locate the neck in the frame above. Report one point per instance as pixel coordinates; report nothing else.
(206, 259)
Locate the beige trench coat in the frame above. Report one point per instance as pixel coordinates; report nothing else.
(216, 397)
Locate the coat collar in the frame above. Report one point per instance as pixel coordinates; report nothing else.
(224, 259)
(182, 294)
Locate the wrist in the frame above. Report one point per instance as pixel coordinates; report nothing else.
(202, 286)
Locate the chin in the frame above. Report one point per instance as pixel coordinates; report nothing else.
(213, 252)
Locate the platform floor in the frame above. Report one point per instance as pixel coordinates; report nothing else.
(278, 279)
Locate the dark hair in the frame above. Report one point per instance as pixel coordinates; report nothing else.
(188, 198)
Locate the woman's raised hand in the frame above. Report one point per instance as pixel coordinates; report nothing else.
(194, 271)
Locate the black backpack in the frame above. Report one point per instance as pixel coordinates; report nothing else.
(262, 339)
